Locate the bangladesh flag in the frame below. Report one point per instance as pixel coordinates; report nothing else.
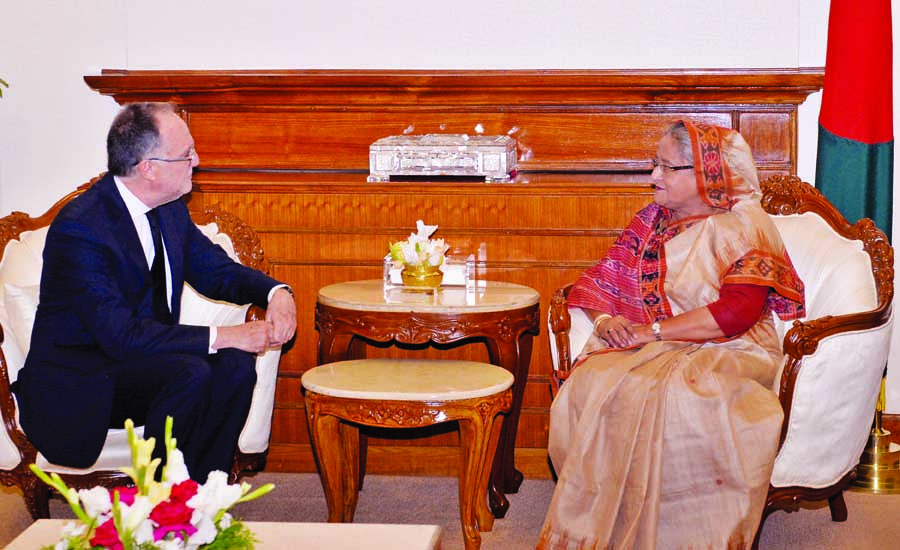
(855, 160)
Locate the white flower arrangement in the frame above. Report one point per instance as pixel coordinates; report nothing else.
(419, 248)
(176, 513)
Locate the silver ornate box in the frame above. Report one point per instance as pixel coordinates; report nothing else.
(491, 157)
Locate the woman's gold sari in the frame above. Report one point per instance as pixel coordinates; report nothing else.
(672, 445)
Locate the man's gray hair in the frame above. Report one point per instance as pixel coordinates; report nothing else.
(134, 133)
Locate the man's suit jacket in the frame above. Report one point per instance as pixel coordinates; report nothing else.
(95, 311)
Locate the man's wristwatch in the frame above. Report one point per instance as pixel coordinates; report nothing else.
(656, 331)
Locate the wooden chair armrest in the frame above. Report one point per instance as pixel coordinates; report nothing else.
(803, 338)
(255, 313)
(560, 323)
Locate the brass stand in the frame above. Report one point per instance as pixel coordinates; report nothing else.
(878, 471)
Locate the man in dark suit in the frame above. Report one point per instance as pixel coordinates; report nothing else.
(106, 345)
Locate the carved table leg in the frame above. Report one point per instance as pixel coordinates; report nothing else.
(332, 348)
(472, 449)
(351, 475)
(493, 427)
(331, 442)
(514, 356)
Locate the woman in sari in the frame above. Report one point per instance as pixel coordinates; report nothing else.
(665, 433)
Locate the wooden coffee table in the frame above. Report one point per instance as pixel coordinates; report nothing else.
(505, 316)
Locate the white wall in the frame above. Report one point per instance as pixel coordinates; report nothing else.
(53, 128)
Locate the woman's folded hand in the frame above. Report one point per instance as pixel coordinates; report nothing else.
(619, 333)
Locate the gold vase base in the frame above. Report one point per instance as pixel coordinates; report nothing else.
(425, 278)
(878, 471)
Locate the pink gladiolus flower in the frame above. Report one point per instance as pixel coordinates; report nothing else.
(183, 491)
(106, 536)
(181, 530)
(171, 513)
(126, 494)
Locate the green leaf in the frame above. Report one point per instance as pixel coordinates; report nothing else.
(237, 537)
(396, 252)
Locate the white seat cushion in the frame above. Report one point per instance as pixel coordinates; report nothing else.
(115, 455)
(832, 409)
(21, 306)
(835, 393)
(20, 273)
(836, 272)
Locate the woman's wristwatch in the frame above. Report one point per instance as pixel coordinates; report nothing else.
(656, 331)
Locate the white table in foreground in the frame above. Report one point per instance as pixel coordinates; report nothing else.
(287, 536)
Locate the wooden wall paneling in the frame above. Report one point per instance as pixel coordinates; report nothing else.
(547, 140)
(287, 152)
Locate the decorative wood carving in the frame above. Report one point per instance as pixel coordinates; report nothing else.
(287, 152)
(398, 415)
(420, 328)
(244, 240)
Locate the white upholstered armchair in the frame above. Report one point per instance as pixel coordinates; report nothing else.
(21, 245)
(834, 357)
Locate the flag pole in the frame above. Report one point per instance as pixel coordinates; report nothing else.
(878, 471)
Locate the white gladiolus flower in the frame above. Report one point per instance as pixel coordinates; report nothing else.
(133, 515)
(144, 532)
(174, 544)
(425, 231)
(70, 529)
(176, 471)
(206, 529)
(410, 252)
(419, 248)
(225, 522)
(94, 507)
(73, 529)
(214, 495)
(96, 501)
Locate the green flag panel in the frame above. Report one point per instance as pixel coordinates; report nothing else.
(857, 177)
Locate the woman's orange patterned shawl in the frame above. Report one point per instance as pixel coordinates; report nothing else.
(629, 280)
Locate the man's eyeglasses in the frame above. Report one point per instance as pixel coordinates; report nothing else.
(190, 156)
(669, 169)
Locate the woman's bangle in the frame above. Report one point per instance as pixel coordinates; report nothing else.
(600, 318)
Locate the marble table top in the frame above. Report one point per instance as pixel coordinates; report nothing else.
(374, 295)
(407, 379)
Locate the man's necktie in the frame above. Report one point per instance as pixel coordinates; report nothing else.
(158, 273)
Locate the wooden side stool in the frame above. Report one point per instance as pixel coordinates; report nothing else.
(407, 393)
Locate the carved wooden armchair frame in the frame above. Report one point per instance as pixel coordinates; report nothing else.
(782, 196)
(248, 250)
